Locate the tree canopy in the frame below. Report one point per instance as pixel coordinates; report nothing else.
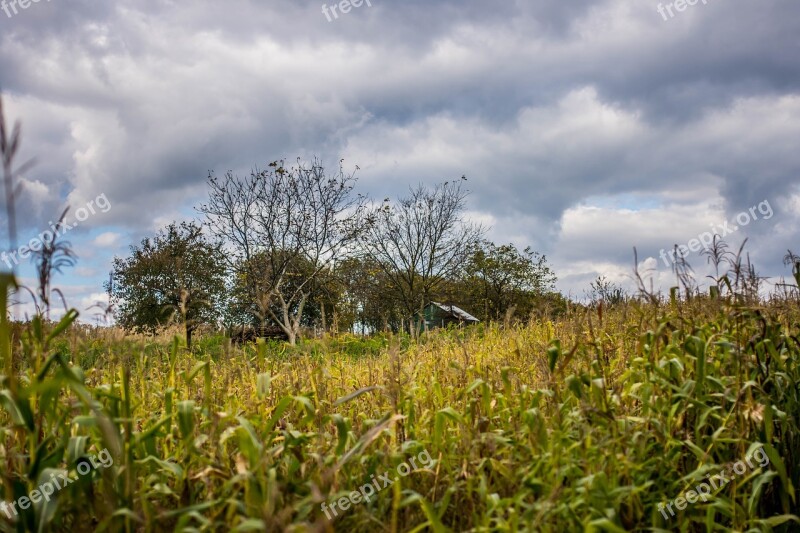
(501, 279)
(176, 276)
(283, 228)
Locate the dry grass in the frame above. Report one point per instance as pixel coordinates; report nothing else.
(627, 409)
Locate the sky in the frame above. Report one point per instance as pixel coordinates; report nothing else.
(585, 128)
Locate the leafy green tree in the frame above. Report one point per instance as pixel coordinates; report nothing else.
(178, 275)
(251, 300)
(365, 304)
(500, 278)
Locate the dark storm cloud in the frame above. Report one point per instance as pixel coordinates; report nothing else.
(543, 104)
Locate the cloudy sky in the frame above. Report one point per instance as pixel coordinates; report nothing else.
(585, 128)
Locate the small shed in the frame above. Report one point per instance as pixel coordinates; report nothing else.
(250, 334)
(438, 315)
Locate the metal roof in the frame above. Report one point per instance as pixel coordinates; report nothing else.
(456, 311)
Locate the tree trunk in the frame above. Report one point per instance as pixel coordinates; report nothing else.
(188, 336)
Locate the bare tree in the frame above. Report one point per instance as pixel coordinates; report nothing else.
(421, 241)
(283, 228)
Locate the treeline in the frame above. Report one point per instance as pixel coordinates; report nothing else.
(297, 247)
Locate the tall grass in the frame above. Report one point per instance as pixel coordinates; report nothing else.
(587, 422)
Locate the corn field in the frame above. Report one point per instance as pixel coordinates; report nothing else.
(587, 422)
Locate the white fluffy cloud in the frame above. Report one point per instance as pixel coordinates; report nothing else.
(107, 240)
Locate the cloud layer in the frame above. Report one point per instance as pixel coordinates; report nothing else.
(585, 128)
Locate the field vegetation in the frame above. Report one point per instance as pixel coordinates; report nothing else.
(584, 422)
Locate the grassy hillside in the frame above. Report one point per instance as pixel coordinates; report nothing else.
(588, 422)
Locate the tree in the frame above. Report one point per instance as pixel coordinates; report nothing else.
(177, 275)
(502, 278)
(364, 302)
(421, 242)
(283, 228)
(250, 301)
(605, 290)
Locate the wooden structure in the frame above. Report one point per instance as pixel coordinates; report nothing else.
(251, 334)
(437, 315)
